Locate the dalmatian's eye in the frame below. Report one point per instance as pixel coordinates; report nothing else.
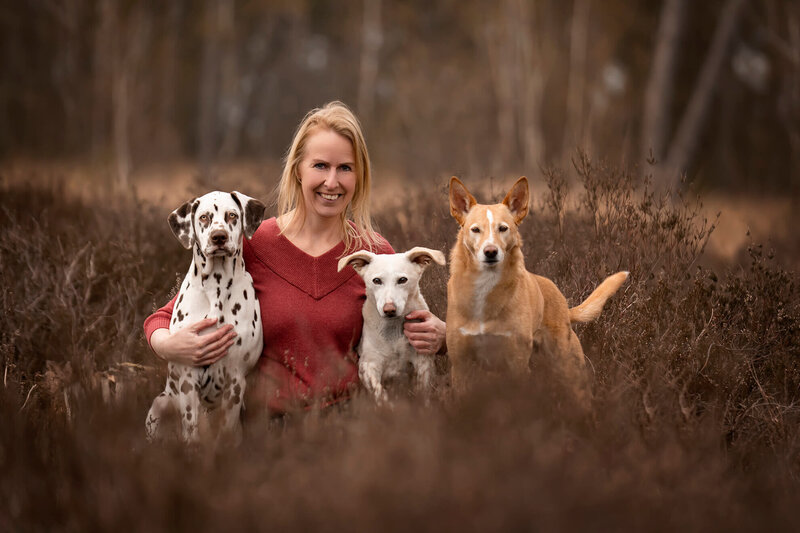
(402, 280)
(203, 218)
(475, 229)
(377, 281)
(232, 217)
(503, 228)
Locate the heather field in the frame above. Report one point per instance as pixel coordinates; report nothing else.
(695, 368)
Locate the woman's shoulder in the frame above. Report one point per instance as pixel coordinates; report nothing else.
(382, 246)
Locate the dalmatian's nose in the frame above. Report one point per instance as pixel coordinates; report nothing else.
(219, 237)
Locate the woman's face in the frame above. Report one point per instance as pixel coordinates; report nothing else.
(327, 174)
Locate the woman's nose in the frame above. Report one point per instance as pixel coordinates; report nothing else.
(331, 179)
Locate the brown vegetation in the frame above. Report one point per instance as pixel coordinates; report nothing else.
(696, 374)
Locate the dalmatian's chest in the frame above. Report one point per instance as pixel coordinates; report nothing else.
(231, 300)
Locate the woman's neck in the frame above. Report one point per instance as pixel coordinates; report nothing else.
(314, 235)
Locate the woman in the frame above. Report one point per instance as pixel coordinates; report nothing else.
(311, 313)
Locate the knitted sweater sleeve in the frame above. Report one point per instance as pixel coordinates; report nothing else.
(159, 319)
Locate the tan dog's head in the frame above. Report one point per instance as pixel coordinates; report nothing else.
(489, 232)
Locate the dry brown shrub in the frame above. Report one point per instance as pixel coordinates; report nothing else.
(695, 374)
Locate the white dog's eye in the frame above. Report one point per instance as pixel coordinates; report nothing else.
(503, 227)
(377, 281)
(402, 280)
(475, 229)
(231, 217)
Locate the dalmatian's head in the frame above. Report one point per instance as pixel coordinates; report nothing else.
(216, 222)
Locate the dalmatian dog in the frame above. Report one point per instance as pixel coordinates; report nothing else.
(216, 286)
(392, 286)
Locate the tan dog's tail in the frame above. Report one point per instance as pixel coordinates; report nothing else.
(593, 305)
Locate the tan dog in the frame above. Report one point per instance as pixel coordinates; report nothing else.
(499, 315)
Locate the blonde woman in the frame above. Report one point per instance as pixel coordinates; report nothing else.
(311, 313)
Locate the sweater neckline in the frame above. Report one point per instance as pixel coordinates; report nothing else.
(316, 276)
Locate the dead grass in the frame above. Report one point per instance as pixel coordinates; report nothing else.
(696, 374)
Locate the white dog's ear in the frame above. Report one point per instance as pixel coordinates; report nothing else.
(252, 212)
(180, 221)
(357, 260)
(517, 199)
(423, 256)
(461, 201)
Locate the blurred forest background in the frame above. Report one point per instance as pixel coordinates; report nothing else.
(472, 87)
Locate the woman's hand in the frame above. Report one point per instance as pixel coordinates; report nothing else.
(427, 336)
(187, 347)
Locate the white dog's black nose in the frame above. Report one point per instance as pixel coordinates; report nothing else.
(219, 237)
(389, 310)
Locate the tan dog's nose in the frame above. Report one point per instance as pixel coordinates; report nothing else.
(490, 252)
(389, 309)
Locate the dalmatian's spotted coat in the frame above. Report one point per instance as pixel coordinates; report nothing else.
(216, 286)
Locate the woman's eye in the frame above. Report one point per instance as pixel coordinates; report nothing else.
(377, 281)
(402, 280)
(503, 228)
(475, 229)
(345, 168)
(320, 166)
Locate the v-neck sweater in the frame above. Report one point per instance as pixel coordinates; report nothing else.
(311, 317)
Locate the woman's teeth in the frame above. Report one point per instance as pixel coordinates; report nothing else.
(329, 196)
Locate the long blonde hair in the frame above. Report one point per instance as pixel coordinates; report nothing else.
(356, 221)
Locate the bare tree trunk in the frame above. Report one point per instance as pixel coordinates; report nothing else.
(132, 38)
(533, 141)
(501, 65)
(241, 84)
(659, 91)
(684, 146)
(167, 138)
(371, 41)
(574, 134)
(102, 59)
(209, 90)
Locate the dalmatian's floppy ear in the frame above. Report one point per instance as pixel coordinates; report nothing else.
(252, 212)
(357, 260)
(424, 256)
(180, 221)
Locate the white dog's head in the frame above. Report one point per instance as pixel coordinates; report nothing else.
(215, 222)
(392, 278)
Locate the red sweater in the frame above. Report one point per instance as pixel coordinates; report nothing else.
(311, 316)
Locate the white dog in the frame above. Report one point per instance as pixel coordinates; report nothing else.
(216, 286)
(392, 283)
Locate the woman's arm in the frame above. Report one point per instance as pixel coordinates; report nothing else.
(426, 336)
(186, 346)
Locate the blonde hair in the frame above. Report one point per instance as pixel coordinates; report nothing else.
(356, 221)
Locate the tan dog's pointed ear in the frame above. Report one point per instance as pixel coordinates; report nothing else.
(517, 200)
(357, 260)
(180, 222)
(423, 256)
(461, 201)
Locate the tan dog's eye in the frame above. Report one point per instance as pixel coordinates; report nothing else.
(377, 281)
(503, 227)
(402, 280)
(475, 229)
